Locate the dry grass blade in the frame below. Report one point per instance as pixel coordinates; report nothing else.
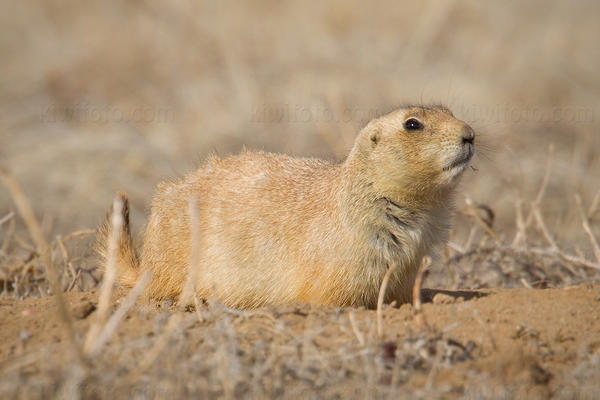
(470, 238)
(456, 247)
(480, 220)
(542, 226)
(543, 186)
(594, 206)
(9, 235)
(158, 347)
(548, 171)
(587, 228)
(382, 289)
(6, 218)
(109, 278)
(522, 225)
(576, 260)
(71, 388)
(521, 235)
(74, 280)
(425, 263)
(77, 234)
(34, 229)
(356, 329)
(188, 288)
(31, 357)
(63, 248)
(113, 323)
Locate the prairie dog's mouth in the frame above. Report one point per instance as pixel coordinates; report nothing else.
(462, 160)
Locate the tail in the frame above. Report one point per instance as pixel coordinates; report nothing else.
(127, 260)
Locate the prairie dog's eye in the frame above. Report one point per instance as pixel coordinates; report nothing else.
(413, 124)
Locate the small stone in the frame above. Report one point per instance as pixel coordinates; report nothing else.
(539, 376)
(389, 351)
(442, 298)
(83, 309)
(519, 331)
(24, 335)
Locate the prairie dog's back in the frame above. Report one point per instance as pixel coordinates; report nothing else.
(253, 210)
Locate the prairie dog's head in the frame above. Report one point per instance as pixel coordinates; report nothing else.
(417, 150)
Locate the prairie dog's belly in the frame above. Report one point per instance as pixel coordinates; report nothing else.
(251, 259)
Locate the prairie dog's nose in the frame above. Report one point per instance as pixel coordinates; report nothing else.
(468, 135)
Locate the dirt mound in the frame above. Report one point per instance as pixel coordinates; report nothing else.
(527, 343)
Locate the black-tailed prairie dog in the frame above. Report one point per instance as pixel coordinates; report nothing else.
(273, 229)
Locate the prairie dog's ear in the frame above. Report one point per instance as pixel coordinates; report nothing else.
(375, 135)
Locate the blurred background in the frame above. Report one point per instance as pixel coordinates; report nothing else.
(110, 95)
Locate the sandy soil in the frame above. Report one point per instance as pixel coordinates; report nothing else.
(527, 343)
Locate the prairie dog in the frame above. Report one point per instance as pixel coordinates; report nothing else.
(273, 229)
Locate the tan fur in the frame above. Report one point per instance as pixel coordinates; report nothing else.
(275, 229)
(126, 257)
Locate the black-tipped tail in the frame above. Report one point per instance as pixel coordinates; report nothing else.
(126, 258)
